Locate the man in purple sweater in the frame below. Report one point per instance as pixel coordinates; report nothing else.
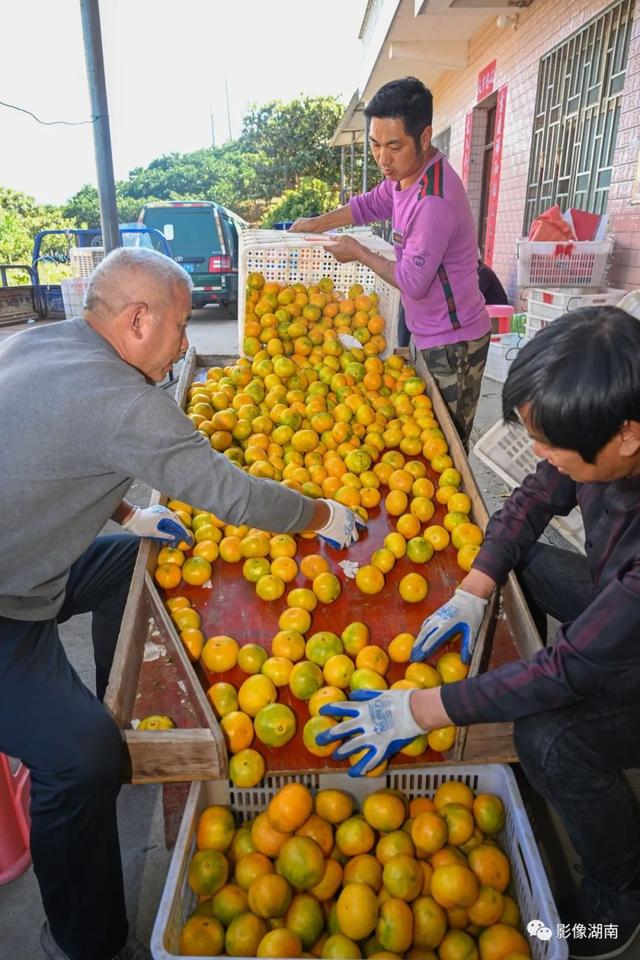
(435, 242)
(575, 703)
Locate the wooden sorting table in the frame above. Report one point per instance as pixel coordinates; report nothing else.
(151, 672)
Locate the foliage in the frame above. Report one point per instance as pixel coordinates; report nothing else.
(20, 219)
(309, 198)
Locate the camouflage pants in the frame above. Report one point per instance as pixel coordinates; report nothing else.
(457, 369)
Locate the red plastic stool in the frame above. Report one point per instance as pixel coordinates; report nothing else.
(15, 855)
(500, 317)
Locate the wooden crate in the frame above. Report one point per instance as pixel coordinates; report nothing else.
(198, 752)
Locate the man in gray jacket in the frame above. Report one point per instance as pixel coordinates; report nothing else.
(81, 418)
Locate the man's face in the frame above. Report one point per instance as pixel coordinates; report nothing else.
(164, 339)
(610, 463)
(395, 151)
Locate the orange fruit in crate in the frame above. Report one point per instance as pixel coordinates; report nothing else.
(230, 549)
(499, 941)
(457, 945)
(429, 832)
(320, 831)
(170, 555)
(355, 836)
(223, 697)
(442, 738)
(394, 928)
(337, 672)
(355, 636)
(167, 575)
(413, 588)
(229, 902)
(333, 805)
(207, 549)
(196, 571)
(394, 843)
(251, 658)
(403, 877)
(237, 729)
(419, 550)
(467, 555)
(490, 866)
(295, 618)
(186, 618)
(280, 943)
(451, 668)
(310, 731)
(269, 896)
(244, 935)
(396, 503)
(220, 654)
(255, 567)
(374, 658)
(465, 534)
(284, 567)
(312, 565)
(420, 805)
(301, 862)
(437, 536)
(250, 866)
(301, 597)
(408, 525)
(270, 587)
(290, 807)
(422, 508)
(384, 810)
(246, 768)
(208, 871)
(278, 669)
(364, 868)
(453, 791)
(202, 937)
(357, 911)
(454, 885)
(177, 603)
(330, 882)
(488, 810)
(216, 828)
(396, 543)
(369, 579)
(255, 693)
(282, 545)
(306, 918)
(487, 908)
(460, 822)
(193, 640)
(289, 644)
(304, 679)
(275, 724)
(327, 587)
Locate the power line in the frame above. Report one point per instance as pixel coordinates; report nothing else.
(48, 123)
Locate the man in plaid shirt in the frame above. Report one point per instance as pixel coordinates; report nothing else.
(576, 703)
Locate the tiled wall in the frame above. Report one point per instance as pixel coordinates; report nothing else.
(517, 52)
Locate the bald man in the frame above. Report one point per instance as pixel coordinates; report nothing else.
(81, 417)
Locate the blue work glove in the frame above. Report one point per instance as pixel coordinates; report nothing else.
(342, 529)
(158, 523)
(380, 722)
(461, 615)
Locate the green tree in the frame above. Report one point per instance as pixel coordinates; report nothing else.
(310, 197)
(20, 219)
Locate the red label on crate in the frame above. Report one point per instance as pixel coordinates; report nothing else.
(494, 186)
(486, 80)
(547, 297)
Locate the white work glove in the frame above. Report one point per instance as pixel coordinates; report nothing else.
(462, 614)
(158, 523)
(343, 526)
(379, 722)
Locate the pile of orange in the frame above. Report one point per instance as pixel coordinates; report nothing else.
(328, 421)
(313, 877)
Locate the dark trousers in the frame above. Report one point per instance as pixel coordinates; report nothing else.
(575, 756)
(73, 748)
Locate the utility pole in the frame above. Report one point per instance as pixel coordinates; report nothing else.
(213, 129)
(226, 94)
(92, 36)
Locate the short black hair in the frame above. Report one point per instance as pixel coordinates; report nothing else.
(408, 100)
(581, 377)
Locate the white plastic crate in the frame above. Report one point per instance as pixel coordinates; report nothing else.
(73, 294)
(294, 258)
(84, 260)
(534, 323)
(552, 303)
(503, 349)
(506, 449)
(567, 264)
(529, 882)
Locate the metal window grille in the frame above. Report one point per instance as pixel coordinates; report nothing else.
(575, 123)
(443, 141)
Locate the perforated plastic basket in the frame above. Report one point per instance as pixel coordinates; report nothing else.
(293, 258)
(506, 449)
(567, 264)
(503, 349)
(551, 303)
(73, 294)
(529, 881)
(84, 260)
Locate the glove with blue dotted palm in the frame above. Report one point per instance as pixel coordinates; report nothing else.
(462, 614)
(380, 722)
(158, 523)
(343, 526)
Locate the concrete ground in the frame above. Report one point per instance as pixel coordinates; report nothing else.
(145, 857)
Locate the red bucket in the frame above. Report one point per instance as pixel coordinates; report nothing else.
(15, 855)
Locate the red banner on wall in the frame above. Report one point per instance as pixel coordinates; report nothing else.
(466, 151)
(486, 80)
(494, 184)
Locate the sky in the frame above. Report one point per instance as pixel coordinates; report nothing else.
(166, 62)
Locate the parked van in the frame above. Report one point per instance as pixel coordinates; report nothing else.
(204, 240)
